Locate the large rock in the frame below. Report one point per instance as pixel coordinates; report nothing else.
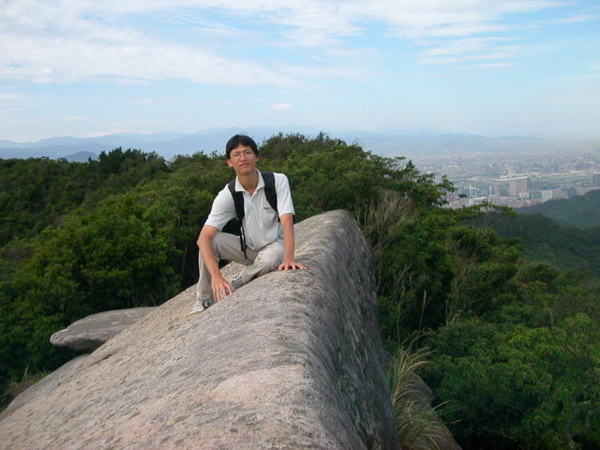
(44, 386)
(89, 333)
(291, 360)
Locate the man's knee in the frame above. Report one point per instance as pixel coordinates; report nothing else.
(269, 258)
(266, 263)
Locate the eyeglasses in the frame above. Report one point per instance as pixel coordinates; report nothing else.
(239, 154)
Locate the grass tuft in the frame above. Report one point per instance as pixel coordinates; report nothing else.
(418, 424)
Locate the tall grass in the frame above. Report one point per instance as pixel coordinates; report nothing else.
(419, 426)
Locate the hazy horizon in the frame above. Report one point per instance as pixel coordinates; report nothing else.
(413, 144)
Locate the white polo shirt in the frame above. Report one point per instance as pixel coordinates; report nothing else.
(260, 220)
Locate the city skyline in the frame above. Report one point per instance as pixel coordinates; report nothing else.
(493, 68)
(517, 179)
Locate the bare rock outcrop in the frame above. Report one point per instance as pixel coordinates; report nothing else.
(89, 333)
(291, 360)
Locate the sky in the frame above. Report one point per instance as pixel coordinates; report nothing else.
(87, 68)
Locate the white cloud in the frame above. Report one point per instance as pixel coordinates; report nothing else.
(578, 18)
(11, 102)
(88, 40)
(458, 51)
(281, 106)
(44, 44)
(6, 97)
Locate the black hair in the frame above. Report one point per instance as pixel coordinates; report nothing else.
(240, 139)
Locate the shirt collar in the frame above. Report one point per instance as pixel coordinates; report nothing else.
(261, 183)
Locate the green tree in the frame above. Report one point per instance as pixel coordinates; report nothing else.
(483, 265)
(521, 387)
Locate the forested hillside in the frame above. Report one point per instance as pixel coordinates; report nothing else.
(582, 211)
(509, 346)
(542, 239)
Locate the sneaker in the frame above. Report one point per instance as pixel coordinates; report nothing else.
(236, 282)
(199, 306)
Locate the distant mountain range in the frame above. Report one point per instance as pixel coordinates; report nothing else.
(169, 144)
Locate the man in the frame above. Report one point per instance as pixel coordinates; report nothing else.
(270, 239)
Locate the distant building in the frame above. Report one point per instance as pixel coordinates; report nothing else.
(518, 180)
(518, 186)
(546, 195)
(570, 193)
(501, 189)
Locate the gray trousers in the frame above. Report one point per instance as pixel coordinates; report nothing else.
(227, 247)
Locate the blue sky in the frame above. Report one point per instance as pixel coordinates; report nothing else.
(492, 67)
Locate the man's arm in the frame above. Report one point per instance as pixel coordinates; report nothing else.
(220, 287)
(289, 263)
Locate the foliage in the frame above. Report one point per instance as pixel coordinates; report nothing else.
(431, 268)
(35, 193)
(565, 247)
(508, 304)
(100, 251)
(328, 174)
(501, 327)
(418, 424)
(483, 265)
(582, 211)
(121, 231)
(532, 387)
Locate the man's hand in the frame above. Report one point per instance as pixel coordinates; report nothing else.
(220, 287)
(291, 265)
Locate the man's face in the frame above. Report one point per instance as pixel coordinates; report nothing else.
(242, 159)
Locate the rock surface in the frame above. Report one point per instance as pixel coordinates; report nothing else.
(291, 360)
(89, 333)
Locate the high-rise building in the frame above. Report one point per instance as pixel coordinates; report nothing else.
(518, 186)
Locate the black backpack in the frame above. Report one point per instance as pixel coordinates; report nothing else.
(238, 200)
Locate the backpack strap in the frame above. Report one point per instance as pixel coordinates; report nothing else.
(270, 191)
(240, 211)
